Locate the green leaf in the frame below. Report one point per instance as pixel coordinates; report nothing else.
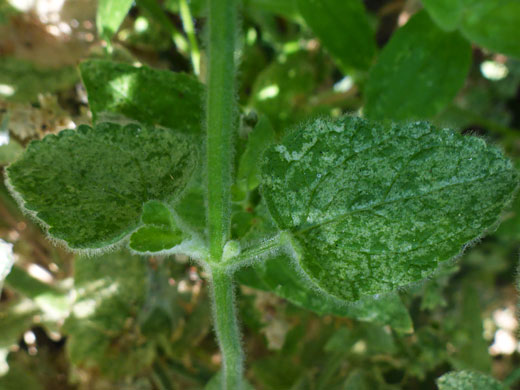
(470, 348)
(159, 232)
(20, 377)
(494, 25)
(155, 239)
(110, 15)
(343, 28)
(190, 208)
(378, 340)
(149, 96)
(46, 297)
(88, 185)
(286, 8)
(23, 81)
(374, 207)
(365, 380)
(158, 315)
(10, 152)
(249, 167)
(418, 72)
(101, 330)
(198, 7)
(157, 213)
(282, 89)
(509, 230)
(446, 13)
(9, 148)
(283, 277)
(489, 23)
(467, 380)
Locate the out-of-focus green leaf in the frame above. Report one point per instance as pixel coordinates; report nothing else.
(343, 28)
(258, 140)
(432, 290)
(373, 207)
(470, 347)
(158, 314)
(282, 90)
(281, 275)
(492, 24)
(22, 81)
(149, 96)
(197, 7)
(365, 380)
(418, 72)
(18, 378)
(446, 13)
(10, 152)
(53, 302)
(509, 230)
(15, 320)
(9, 148)
(110, 15)
(467, 380)
(6, 11)
(100, 177)
(110, 290)
(427, 353)
(276, 372)
(365, 339)
(286, 8)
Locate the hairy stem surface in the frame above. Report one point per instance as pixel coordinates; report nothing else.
(220, 124)
(220, 120)
(226, 326)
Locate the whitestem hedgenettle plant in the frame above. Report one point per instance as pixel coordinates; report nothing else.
(352, 207)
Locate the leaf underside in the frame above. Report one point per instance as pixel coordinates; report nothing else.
(89, 185)
(374, 207)
(467, 380)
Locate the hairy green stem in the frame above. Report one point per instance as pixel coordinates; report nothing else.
(220, 120)
(189, 28)
(226, 327)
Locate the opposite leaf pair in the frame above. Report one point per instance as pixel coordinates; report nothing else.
(368, 207)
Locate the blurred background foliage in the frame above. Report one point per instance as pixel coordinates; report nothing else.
(124, 322)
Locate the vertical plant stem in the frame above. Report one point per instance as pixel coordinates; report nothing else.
(189, 28)
(220, 124)
(226, 326)
(220, 120)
